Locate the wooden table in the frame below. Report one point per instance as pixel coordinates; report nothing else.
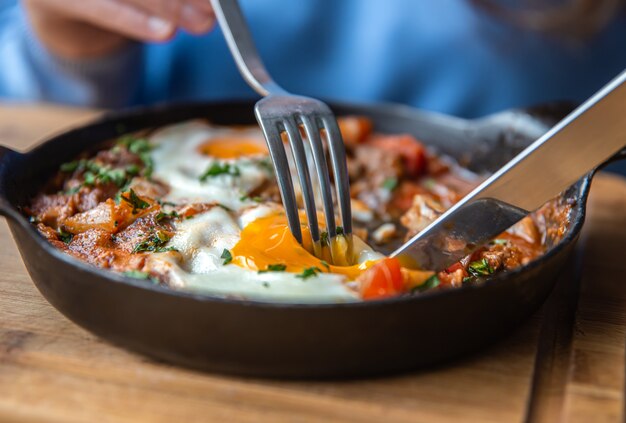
(565, 364)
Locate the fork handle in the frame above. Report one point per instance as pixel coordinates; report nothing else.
(242, 47)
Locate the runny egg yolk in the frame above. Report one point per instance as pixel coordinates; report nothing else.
(232, 148)
(267, 241)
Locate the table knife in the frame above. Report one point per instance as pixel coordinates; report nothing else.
(578, 144)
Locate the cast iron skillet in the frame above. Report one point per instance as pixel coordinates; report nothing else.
(278, 340)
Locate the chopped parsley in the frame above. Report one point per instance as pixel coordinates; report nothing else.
(98, 173)
(430, 283)
(155, 243)
(325, 238)
(256, 199)
(140, 147)
(390, 183)
(309, 272)
(136, 274)
(219, 169)
(228, 209)
(73, 190)
(64, 236)
(148, 164)
(500, 241)
(274, 268)
(69, 166)
(135, 201)
(95, 172)
(325, 264)
(134, 145)
(166, 203)
(227, 256)
(266, 163)
(132, 169)
(480, 268)
(163, 215)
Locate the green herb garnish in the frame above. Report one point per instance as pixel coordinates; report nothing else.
(166, 203)
(134, 145)
(390, 183)
(73, 190)
(227, 256)
(325, 264)
(274, 268)
(155, 243)
(228, 209)
(219, 169)
(64, 236)
(132, 169)
(266, 163)
(162, 215)
(325, 238)
(136, 274)
(256, 199)
(148, 164)
(95, 172)
(140, 147)
(89, 178)
(135, 201)
(480, 268)
(500, 241)
(69, 166)
(309, 272)
(430, 283)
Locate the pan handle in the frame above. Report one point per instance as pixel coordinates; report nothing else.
(6, 154)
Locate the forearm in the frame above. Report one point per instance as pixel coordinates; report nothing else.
(31, 71)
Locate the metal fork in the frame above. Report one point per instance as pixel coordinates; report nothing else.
(281, 112)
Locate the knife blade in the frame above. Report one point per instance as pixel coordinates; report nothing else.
(584, 139)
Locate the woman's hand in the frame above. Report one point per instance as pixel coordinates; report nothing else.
(92, 28)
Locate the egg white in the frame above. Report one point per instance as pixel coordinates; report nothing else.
(179, 164)
(196, 264)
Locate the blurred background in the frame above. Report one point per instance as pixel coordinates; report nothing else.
(467, 58)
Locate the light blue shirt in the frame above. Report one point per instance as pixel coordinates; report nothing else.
(442, 55)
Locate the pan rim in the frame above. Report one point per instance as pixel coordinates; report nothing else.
(16, 217)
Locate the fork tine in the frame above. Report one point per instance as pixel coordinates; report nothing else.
(319, 158)
(299, 156)
(283, 175)
(340, 169)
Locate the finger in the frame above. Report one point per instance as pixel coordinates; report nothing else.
(118, 16)
(192, 15)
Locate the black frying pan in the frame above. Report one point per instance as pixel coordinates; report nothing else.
(278, 340)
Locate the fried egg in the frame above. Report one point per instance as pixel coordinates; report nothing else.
(234, 162)
(221, 167)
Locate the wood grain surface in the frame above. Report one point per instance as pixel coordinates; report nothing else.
(565, 364)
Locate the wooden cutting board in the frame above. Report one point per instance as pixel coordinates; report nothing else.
(565, 364)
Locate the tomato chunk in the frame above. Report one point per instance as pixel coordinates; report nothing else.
(456, 266)
(413, 152)
(384, 279)
(354, 129)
